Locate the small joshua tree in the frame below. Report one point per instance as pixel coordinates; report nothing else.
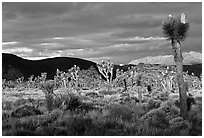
(74, 71)
(19, 81)
(106, 69)
(43, 76)
(139, 84)
(176, 29)
(48, 88)
(167, 80)
(30, 82)
(121, 75)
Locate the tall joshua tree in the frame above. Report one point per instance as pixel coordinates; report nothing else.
(176, 30)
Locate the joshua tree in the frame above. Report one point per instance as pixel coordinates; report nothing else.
(106, 69)
(175, 29)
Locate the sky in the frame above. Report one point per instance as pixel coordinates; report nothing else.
(121, 31)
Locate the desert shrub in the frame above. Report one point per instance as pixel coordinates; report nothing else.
(20, 102)
(75, 125)
(94, 114)
(153, 104)
(31, 123)
(6, 118)
(7, 105)
(92, 94)
(60, 131)
(137, 110)
(179, 123)
(164, 95)
(25, 110)
(72, 102)
(56, 113)
(145, 99)
(79, 126)
(45, 131)
(112, 127)
(6, 115)
(59, 99)
(6, 126)
(26, 123)
(195, 118)
(156, 118)
(144, 107)
(120, 111)
(170, 107)
(48, 86)
(31, 100)
(49, 100)
(108, 92)
(19, 132)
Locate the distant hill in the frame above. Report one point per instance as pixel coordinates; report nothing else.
(190, 58)
(50, 65)
(36, 67)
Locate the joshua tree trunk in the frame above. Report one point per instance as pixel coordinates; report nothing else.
(125, 84)
(140, 95)
(179, 67)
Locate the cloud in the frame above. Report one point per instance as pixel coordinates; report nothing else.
(18, 50)
(139, 38)
(37, 9)
(9, 43)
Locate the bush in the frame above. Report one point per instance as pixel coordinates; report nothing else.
(49, 100)
(20, 102)
(120, 111)
(20, 132)
(48, 87)
(169, 107)
(179, 123)
(25, 110)
(7, 105)
(71, 102)
(75, 125)
(153, 104)
(195, 118)
(13, 74)
(156, 118)
(5, 115)
(163, 95)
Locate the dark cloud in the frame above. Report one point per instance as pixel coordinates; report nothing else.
(37, 9)
(122, 31)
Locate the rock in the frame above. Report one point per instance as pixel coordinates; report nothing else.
(25, 110)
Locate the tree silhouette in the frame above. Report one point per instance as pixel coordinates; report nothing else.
(176, 30)
(12, 74)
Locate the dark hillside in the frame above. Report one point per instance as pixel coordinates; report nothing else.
(36, 67)
(29, 67)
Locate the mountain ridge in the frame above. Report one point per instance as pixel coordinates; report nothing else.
(190, 58)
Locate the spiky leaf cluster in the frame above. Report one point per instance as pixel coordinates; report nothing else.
(174, 29)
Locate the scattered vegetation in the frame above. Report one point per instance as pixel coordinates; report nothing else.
(142, 101)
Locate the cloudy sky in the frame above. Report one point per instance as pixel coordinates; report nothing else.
(120, 31)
